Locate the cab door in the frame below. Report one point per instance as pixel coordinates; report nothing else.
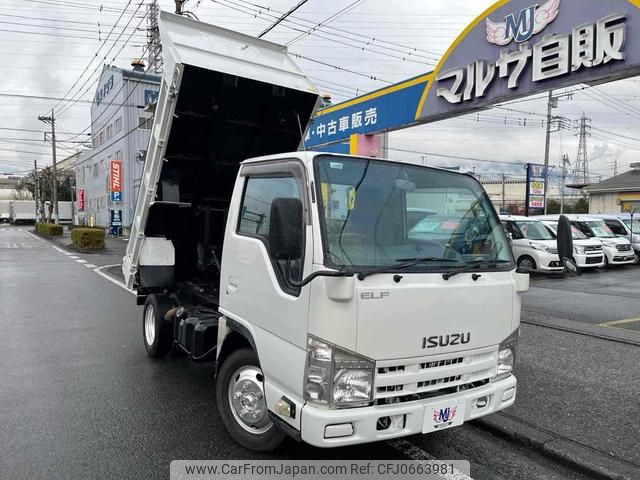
(255, 288)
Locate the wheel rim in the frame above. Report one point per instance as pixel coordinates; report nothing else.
(247, 400)
(526, 263)
(149, 325)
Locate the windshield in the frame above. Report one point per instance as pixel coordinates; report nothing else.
(595, 228)
(576, 234)
(534, 230)
(636, 224)
(378, 213)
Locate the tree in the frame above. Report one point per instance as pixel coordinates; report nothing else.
(553, 206)
(26, 190)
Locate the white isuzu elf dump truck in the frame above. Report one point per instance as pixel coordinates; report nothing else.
(332, 312)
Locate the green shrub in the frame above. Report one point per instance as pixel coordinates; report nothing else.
(88, 238)
(49, 229)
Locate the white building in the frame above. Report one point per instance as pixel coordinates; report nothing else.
(120, 130)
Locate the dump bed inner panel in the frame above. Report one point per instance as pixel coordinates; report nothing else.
(220, 120)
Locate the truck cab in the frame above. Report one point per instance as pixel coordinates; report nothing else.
(329, 314)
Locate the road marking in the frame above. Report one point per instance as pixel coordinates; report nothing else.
(414, 452)
(89, 265)
(58, 249)
(81, 261)
(74, 257)
(619, 322)
(113, 280)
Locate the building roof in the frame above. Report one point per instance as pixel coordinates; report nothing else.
(626, 182)
(141, 76)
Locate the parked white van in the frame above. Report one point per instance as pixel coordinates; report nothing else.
(534, 247)
(587, 252)
(621, 225)
(617, 250)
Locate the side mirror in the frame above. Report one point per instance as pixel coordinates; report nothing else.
(565, 246)
(286, 229)
(565, 238)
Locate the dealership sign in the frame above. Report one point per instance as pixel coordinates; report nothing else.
(80, 200)
(536, 186)
(515, 49)
(115, 180)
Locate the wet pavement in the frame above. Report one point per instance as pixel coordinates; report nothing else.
(81, 399)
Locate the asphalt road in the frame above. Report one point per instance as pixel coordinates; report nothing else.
(79, 398)
(596, 297)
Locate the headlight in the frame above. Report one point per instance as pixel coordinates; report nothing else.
(540, 246)
(579, 250)
(336, 377)
(507, 356)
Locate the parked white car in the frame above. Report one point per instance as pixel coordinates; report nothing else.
(534, 247)
(587, 252)
(617, 250)
(621, 224)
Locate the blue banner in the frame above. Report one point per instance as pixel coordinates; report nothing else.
(536, 187)
(116, 196)
(390, 108)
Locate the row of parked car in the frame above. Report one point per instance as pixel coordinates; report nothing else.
(598, 240)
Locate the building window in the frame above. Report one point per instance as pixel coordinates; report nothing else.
(101, 141)
(109, 132)
(118, 155)
(117, 126)
(103, 168)
(95, 170)
(80, 175)
(144, 123)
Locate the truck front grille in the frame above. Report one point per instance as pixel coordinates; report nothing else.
(593, 248)
(422, 375)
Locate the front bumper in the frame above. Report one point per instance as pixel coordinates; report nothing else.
(547, 262)
(614, 257)
(589, 260)
(365, 419)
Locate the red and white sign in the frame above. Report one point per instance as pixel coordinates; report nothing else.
(80, 200)
(115, 176)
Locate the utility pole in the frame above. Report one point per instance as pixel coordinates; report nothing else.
(52, 121)
(37, 190)
(565, 162)
(552, 103)
(504, 200)
(179, 5)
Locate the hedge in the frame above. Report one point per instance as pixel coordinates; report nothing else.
(88, 238)
(49, 229)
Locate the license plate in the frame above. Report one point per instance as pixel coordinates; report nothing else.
(443, 415)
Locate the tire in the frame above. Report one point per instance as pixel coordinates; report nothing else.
(606, 262)
(241, 369)
(528, 263)
(156, 331)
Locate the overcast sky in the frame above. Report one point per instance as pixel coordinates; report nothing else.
(67, 36)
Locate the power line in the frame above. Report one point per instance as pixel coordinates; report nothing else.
(64, 106)
(365, 45)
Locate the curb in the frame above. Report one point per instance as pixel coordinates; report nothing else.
(561, 449)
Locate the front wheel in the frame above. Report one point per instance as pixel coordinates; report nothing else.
(242, 403)
(527, 263)
(156, 331)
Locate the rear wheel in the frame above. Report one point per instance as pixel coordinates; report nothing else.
(156, 331)
(527, 263)
(242, 403)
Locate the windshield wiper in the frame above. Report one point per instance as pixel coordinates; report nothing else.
(474, 266)
(404, 263)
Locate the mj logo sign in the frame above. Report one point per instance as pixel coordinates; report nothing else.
(524, 25)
